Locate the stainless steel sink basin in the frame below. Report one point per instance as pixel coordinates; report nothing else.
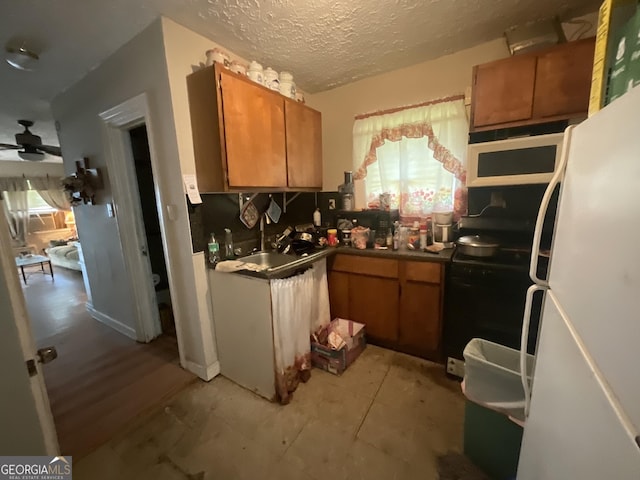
(270, 260)
(276, 262)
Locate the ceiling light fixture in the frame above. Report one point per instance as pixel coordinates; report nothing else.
(21, 58)
(31, 156)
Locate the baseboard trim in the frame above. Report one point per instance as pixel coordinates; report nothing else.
(112, 322)
(205, 373)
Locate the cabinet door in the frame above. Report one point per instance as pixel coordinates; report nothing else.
(420, 324)
(503, 91)
(374, 302)
(563, 80)
(254, 134)
(339, 294)
(304, 145)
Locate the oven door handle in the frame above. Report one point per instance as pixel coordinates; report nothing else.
(524, 342)
(544, 205)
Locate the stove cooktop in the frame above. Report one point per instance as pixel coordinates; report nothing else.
(515, 259)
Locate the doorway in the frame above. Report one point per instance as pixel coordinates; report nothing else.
(153, 234)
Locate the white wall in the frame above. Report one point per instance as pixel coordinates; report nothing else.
(437, 78)
(184, 51)
(139, 66)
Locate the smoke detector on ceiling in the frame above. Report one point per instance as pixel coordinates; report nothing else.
(21, 58)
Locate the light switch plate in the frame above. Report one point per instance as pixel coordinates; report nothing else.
(332, 204)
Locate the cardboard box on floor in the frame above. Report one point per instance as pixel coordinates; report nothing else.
(337, 361)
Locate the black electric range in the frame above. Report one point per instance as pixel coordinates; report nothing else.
(485, 296)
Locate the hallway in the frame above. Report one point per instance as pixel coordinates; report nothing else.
(101, 380)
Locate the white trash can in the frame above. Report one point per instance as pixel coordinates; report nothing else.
(492, 376)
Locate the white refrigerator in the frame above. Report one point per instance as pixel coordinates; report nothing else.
(584, 413)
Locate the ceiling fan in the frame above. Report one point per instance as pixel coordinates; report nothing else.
(31, 145)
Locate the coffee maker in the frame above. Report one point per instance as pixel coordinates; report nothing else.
(442, 228)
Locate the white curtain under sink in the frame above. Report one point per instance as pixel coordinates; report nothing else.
(300, 305)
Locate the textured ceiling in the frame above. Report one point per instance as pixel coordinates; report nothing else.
(324, 43)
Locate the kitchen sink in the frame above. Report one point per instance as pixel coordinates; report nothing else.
(271, 260)
(274, 261)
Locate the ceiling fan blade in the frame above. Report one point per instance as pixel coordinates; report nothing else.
(50, 149)
(8, 146)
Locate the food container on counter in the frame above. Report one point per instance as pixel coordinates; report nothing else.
(332, 237)
(360, 237)
(346, 237)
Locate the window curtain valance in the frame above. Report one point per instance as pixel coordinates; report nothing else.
(443, 122)
(13, 184)
(416, 154)
(49, 188)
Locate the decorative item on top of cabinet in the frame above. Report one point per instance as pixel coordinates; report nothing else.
(543, 86)
(242, 139)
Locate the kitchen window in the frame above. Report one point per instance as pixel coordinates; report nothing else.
(416, 154)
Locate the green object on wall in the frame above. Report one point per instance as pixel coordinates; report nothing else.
(491, 441)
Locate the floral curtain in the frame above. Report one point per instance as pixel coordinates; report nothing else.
(416, 154)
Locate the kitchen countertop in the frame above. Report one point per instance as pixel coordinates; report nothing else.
(443, 257)
(304, 262)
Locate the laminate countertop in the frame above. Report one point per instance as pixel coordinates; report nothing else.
(302, 263)
(443, 256)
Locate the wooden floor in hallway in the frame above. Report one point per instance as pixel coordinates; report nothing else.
(102, 380)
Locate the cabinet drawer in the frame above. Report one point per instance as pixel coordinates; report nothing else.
(422, 272)
(376, 267)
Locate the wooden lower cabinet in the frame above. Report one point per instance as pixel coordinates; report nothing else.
(339, 294)
(420, 326)
(374, 302)
(400, 302)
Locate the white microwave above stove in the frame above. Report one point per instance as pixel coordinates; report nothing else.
(516, 161)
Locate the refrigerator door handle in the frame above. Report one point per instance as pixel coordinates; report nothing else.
(544, 205)
(524, 341)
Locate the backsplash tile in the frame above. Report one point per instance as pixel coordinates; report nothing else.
(221, 210)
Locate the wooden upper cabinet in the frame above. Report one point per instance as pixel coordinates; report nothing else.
(537, 87)
(244, 138)
(503, 91)
(563, 79)
(304, 145)
(254, 133)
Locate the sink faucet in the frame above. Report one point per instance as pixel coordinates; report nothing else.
(264, 217)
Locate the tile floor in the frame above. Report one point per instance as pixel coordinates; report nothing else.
(388, 417)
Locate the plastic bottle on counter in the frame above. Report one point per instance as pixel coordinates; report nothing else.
(396, 235)
(228, 244)
(389, 241)
(423, 237)
(214, 250)
(317, 218)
